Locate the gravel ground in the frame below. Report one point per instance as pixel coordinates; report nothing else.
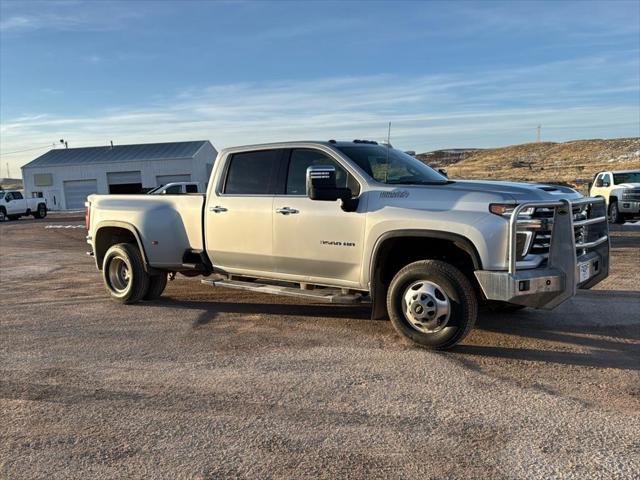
(212, 383)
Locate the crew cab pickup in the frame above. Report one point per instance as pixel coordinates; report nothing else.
(13, 205)
(357, 222)
(621, 192)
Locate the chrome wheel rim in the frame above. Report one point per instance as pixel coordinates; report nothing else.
(119, 275)
(426, 306)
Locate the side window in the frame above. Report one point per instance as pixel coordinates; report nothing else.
(192, 189)
(174, 189)
(253, 173)
(607, 179)
(301, 159)
(17, 196)
(8, 197)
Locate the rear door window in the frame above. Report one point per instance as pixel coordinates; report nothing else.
(17, 196)
(253, 173)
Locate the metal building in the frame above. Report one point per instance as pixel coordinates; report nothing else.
(66, 176)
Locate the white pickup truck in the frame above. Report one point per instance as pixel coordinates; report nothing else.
(621, 192)
(13, 205)
(176, 188)
(357, 222)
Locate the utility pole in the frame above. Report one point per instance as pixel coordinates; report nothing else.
(538, 135)
(8, 171)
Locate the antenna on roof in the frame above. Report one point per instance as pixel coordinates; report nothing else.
(66, 144)
(111, 143)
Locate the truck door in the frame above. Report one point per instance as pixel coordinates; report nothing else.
(15, 204)
(315, 240)
(239, 213)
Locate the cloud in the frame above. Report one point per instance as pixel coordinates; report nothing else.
(22, 17)
(584, 97)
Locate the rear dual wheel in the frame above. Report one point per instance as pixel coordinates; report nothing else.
(432, 304)
(125, 277)
(41, 211)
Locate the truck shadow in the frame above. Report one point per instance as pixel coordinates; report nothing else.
(549, 342)
(529, 337)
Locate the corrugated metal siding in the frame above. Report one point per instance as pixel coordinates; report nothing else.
(121, 178)
(118, 153)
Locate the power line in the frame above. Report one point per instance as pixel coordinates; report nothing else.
(25, 150)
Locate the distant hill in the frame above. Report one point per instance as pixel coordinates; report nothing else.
(574, 163)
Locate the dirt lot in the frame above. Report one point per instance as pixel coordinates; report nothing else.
(209, 383)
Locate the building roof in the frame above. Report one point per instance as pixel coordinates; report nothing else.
(117, 153)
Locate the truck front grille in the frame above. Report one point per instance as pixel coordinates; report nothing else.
(631, 195)
(589, 226)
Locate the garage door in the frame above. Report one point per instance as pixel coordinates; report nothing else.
(124, 182)
(123, 178)
(76, 192)
(164, 179)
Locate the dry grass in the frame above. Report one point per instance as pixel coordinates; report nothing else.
(574, 163)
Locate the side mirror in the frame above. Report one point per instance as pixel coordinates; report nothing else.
(7, 198)
(321, 184)
(443, 171)
(599, 183)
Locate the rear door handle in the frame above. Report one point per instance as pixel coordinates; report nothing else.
(286, 210)
(217, 209)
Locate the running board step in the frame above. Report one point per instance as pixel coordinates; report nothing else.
(319, 295)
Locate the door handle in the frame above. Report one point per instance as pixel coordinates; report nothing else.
(217, 209)
(286, 210)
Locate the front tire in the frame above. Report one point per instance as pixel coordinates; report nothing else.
(123, 273)
(614, 213)
(3, 214)
(432, 304)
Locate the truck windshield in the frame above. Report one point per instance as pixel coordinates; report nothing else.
(390, 166)
(627, 177)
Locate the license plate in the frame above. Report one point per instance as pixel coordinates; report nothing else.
(585, 271)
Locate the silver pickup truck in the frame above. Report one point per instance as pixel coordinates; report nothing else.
(352, 222)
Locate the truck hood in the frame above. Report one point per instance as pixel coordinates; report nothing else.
(629, 185)
(517, 191)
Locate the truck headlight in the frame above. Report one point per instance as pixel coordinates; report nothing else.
(506, 209)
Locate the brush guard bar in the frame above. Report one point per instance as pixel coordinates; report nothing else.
(571, 263)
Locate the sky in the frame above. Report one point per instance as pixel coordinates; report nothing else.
(445, 74)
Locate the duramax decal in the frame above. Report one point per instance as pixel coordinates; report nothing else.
(336, 243)
(395, 194)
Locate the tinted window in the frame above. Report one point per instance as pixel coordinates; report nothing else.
(174, 189)
(390, 166)
(17, 196)
(253, 173)
(627, 177)
(192, 189)
(301, 159)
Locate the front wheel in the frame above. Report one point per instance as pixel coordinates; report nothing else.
(124, 274)
(3, 214)
(614, 213)
(432, 304)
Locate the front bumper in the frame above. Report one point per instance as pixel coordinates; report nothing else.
(625, 206)
(570, 265)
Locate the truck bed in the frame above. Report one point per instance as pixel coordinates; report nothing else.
(167, 225)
